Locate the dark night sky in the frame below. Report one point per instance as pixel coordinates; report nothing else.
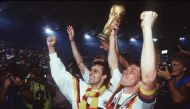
(24, 21)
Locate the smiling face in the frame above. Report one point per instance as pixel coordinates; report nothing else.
(96, 76)
(131, 76)
(179, 64)
(178, 68)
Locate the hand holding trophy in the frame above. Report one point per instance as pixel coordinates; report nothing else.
(115, 16)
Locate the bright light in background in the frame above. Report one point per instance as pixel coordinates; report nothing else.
(182, 38)
(89, 40)
(87, 37)
(48, 31)
(133, 40)
(164, 51)
(155, 39)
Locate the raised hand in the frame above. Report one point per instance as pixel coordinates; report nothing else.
(104, 45)
(115, 25)
(164, 74)
(114, 31)
(70, 32)
(148, 18)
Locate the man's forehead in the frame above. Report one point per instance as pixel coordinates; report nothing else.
(176, 61)
(97, 66)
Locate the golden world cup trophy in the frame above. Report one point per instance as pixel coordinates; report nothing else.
(115, 15)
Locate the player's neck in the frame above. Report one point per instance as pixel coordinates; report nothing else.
(131, 90)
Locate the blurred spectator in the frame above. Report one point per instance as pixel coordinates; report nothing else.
(11, 91)
(178, 84)
(41, 89)
(24, 58)
(186, 52)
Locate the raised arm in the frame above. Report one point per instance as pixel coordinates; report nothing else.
(115, 49)
(113, 60)
(183, 51)
(112, 53)
(62, 78)
(122, 61)
(76, 54)
(148, 62)
(57, 67)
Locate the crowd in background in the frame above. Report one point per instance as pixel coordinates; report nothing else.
(20, 62)
(35, 88)
(26, 81)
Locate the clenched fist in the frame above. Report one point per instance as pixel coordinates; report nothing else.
(148, 18)
(51, 41)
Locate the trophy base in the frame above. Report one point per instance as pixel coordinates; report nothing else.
(104, 37)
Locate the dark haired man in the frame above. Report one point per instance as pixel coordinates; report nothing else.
(80, 94)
